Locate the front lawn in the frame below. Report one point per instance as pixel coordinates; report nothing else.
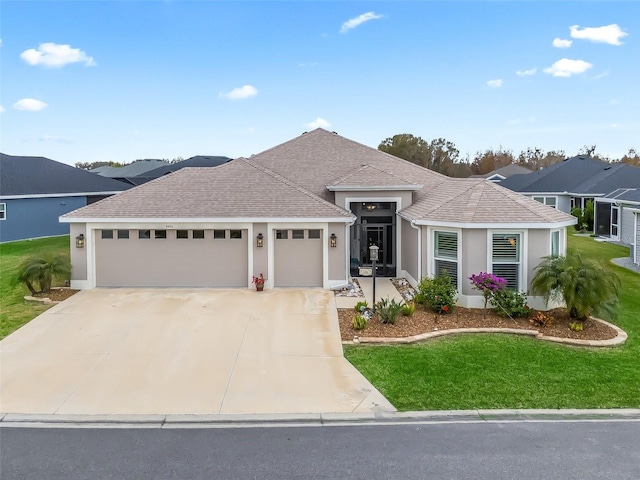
(500, 371)
(13, 311)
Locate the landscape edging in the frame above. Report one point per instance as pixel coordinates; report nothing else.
(619, 339)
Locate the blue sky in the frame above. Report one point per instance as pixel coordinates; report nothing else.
(122, 80)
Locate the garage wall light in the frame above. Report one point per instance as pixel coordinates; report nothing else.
(80, 241)
(333, 240)
(260, 241)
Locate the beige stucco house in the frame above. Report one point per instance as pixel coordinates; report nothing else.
(304, 213)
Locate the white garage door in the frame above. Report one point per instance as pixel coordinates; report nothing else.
(298, 258)
(171, 258)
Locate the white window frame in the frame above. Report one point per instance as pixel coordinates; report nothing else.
(544, 199)
(3, 209)
(431, 263)
(562, 248)
(522, 264)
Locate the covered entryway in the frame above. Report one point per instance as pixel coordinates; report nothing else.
(376, 225)
(171, 258)
(298, 258)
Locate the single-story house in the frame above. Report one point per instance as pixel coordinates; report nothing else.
(305, 213)
(502, 173)
(197, 161)
(574, 181)
(35, 191)
(128, 173)
(616, 217)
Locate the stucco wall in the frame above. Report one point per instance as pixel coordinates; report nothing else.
(36, 217)
(564, 203)
(337, 255)
(260, 255)
(78, 255)
(409, 248)
(539, 246)
(474, 257)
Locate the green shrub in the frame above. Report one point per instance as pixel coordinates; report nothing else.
(541, 319)
(361, 306)
(359, 322)
(584, 216)
(509, 303)
(42, 271)
(437, 292)
(408, 309)
(576, 326)
(389, 310)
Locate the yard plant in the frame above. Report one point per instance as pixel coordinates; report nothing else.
(437, 292)
(503, 371)
(41, 270)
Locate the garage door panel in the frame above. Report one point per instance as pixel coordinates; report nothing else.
(167, 262)
(298, 261)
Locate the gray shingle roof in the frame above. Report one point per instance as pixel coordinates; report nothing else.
(623, 195)
(42, 176)
(134, 169)
(372, 177)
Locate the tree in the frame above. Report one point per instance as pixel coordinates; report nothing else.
(92, 165)
(42, 271)
(536, 158)
(584, 285)
(439, 155)
(491, 160)
(631, 158)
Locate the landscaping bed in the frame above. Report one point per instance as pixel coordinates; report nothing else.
(424, 321)
(57, 294)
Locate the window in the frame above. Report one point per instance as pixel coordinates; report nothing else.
(3, 211)
(199, 234)
(297, 234)
(144, 234)
(445, 255)
(220, 234)
(123, 234)
(158, 234)
(282, 234)
(235, 233)
(107, 234)
(314, 233)
(182, 234)
(555, 243)
(505, 258)
(548, 201)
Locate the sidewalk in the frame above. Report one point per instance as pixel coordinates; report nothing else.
(384, 289)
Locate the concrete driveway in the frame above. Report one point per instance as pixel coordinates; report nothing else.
(179, 351)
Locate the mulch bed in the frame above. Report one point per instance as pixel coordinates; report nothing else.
(57, 294)
(425, 320)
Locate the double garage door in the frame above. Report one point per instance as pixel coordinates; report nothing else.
(171, 258)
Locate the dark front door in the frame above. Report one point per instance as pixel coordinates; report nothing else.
(603, 219)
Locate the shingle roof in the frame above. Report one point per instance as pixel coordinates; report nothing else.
(197, 161)
(42, 176)
(481, 201)
(238, 189)
(625, 195)
(581, 175)
(370, 176)
(134, 169)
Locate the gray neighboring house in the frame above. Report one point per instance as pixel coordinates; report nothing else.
(128, 172)
(305, 213)
(197, 161)
(574, 181)
(502, 173)
(617, 217)
(35, 191)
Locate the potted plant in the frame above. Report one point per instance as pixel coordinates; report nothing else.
(259, 282)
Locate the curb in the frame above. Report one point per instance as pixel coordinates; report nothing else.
(314, 420)
(619, 339)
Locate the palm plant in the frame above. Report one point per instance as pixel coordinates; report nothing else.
(584, 285)
(42, 270)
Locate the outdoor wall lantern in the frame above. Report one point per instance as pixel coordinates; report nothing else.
(80, 241)
(333, 240)
(259, 241)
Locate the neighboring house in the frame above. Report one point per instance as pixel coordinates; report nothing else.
(305, 213)
(128, 172)
(616, 217)
(574, 181)
(504, 172)
(197, 161)
(35, 191)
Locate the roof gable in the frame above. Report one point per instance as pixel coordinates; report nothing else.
(25, 176)
(373, 178)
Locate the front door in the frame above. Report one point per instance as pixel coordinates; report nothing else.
(375, 226)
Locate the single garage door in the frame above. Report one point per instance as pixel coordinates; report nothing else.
(298, 258)
(171, 258)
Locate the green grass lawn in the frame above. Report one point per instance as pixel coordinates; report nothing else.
(504, 371)
(13, 311)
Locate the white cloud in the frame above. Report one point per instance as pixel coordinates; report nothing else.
(601, 75)
(566, 67)
(524, 73)
(359, 20)
(54, 55)
(240, 93)
(1, 109)
(610, 34)
(53, 138)
(29, 104)
(312, 64)
(497, 83)
(561, 43)
(319, 123)
(614, 101)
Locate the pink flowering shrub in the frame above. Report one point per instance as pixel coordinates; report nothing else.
(488, 284)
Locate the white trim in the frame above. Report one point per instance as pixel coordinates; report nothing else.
(203, 220)
(497, 225)
(617, 225)
(431, 257)
(544, 200)
(250, 244)
(376, 188)
(169, 226)
(419, 229)
(635, 235)
(523, 284)
(494, 177)
(58, 195)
